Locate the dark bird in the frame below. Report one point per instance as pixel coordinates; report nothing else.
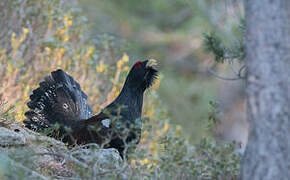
(59, 105)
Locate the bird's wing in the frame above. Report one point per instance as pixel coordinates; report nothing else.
(89, 130)
(96, 119)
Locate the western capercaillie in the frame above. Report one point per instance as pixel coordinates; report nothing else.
(60, 102)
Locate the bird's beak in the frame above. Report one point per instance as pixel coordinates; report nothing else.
(151, 63)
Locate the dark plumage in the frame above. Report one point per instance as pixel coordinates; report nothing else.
(60, 100)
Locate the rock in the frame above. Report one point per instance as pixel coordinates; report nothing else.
(102, 160)
(10, 169)
(10, 138)
(39, 156)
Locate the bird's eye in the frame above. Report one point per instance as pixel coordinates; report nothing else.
(137, 64)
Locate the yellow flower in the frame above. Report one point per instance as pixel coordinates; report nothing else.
(101, 67)
(166, 127)
(23, 36)
(25, 30)
(90, 50)
(126, 68)
(144, 137)
(113, 93)
(10, 67)
(60, 52)
(2, 54)
(178, 130)
(26, 91)
(14, 44)
(122, 61)
(156, 83)
(155, 163)
(117, 92)
(153, 147)
(144, 161)
(150, 112)
(47, 50)
(67, 20)
(20, 116)
(125, 57)
(59, 32)
(119, 64)
(133, 162)
(65, 38)
(145, 133)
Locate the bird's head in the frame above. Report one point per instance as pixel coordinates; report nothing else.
(142, 74)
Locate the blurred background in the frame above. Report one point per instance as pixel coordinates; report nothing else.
(38, 36)
(172, 32)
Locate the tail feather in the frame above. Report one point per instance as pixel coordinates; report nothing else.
(58, 99)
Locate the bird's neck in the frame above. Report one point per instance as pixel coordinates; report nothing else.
(132, 98)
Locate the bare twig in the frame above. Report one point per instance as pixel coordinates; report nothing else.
(233, 68)
(238, 74)
(241, 70)
(221, 77)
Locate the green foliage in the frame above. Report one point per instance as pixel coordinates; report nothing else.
(6, 111)
(213, 118)
(214, 44)
(144, 13)
(187, 102)
(219, 161)
(163, 153)
(173, 157)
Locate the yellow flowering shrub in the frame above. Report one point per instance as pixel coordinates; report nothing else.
(61, 45)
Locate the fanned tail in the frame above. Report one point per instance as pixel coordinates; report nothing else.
(58, 99)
